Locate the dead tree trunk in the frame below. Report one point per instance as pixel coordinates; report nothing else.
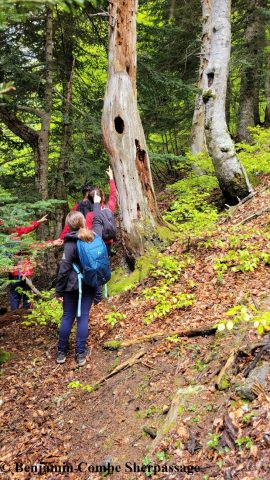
(231, 175)
(123, 133)
(248, 112)
(198, 140)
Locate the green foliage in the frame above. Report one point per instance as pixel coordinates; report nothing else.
(173, 339)
(113, 317)
(192, 212)
(13, 214)
(246, 441)
(167, 268)
(239, 314)
(161, 456)
(255, 156)
(213, 441)
(166, 271)
(45, 311)
(248, 417)
(4, 357)
(112, 344)
(78, 385)
(167, 304)
(245, 260)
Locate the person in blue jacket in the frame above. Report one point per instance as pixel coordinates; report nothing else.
(67, 288)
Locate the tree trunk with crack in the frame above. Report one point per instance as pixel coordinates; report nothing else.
(248, 112)
(198, 140)
(231, 175)
(123, 133)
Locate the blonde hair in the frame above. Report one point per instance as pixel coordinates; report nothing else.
(76, 221)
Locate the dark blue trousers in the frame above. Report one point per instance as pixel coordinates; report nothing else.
(70, 305)
(16, 297)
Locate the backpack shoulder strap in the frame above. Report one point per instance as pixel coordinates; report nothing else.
(80, 279)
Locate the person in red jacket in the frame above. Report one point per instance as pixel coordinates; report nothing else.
(86, 206)
(24, 266)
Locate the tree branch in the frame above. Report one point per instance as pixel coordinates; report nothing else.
(24, 108)
(19, 128)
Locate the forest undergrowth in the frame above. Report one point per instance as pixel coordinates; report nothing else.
(178, 349)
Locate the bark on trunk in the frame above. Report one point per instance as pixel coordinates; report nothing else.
(231, 175)
(42, 153)
(123, 133)
(172, 9)
(248, 112)
(198, 140)
(65, 148)
(267, 93)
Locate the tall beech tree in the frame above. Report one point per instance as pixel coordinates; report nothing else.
(123, 133)
(231, 175)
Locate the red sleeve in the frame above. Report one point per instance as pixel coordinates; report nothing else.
(89, 220)
(113, 196)
(66, 227)
(27, 229)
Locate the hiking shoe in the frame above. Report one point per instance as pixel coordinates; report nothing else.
(81, 357)
(61, 357)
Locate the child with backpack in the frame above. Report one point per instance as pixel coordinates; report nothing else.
(86, 208)
(84, 267)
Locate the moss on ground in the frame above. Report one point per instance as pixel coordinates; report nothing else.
(4, 357)
(122, 281)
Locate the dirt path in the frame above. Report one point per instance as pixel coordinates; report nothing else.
(44, 420)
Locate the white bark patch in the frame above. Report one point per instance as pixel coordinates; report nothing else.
(230, 173)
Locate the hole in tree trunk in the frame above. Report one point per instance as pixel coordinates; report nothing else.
(138, 210)
(119, 124)
(130, 263)
(210, 77)
(140, 152)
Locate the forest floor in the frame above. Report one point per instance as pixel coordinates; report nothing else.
(208, 424)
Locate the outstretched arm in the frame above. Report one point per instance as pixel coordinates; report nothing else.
(29, 228)
(97, 226)
(113, 191)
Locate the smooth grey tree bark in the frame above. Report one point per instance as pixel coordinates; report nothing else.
(123, 133)
(231, 175)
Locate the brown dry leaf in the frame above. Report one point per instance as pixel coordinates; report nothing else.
(254, 451)
(182, 431)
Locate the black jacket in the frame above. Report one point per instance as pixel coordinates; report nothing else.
(67, 278)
